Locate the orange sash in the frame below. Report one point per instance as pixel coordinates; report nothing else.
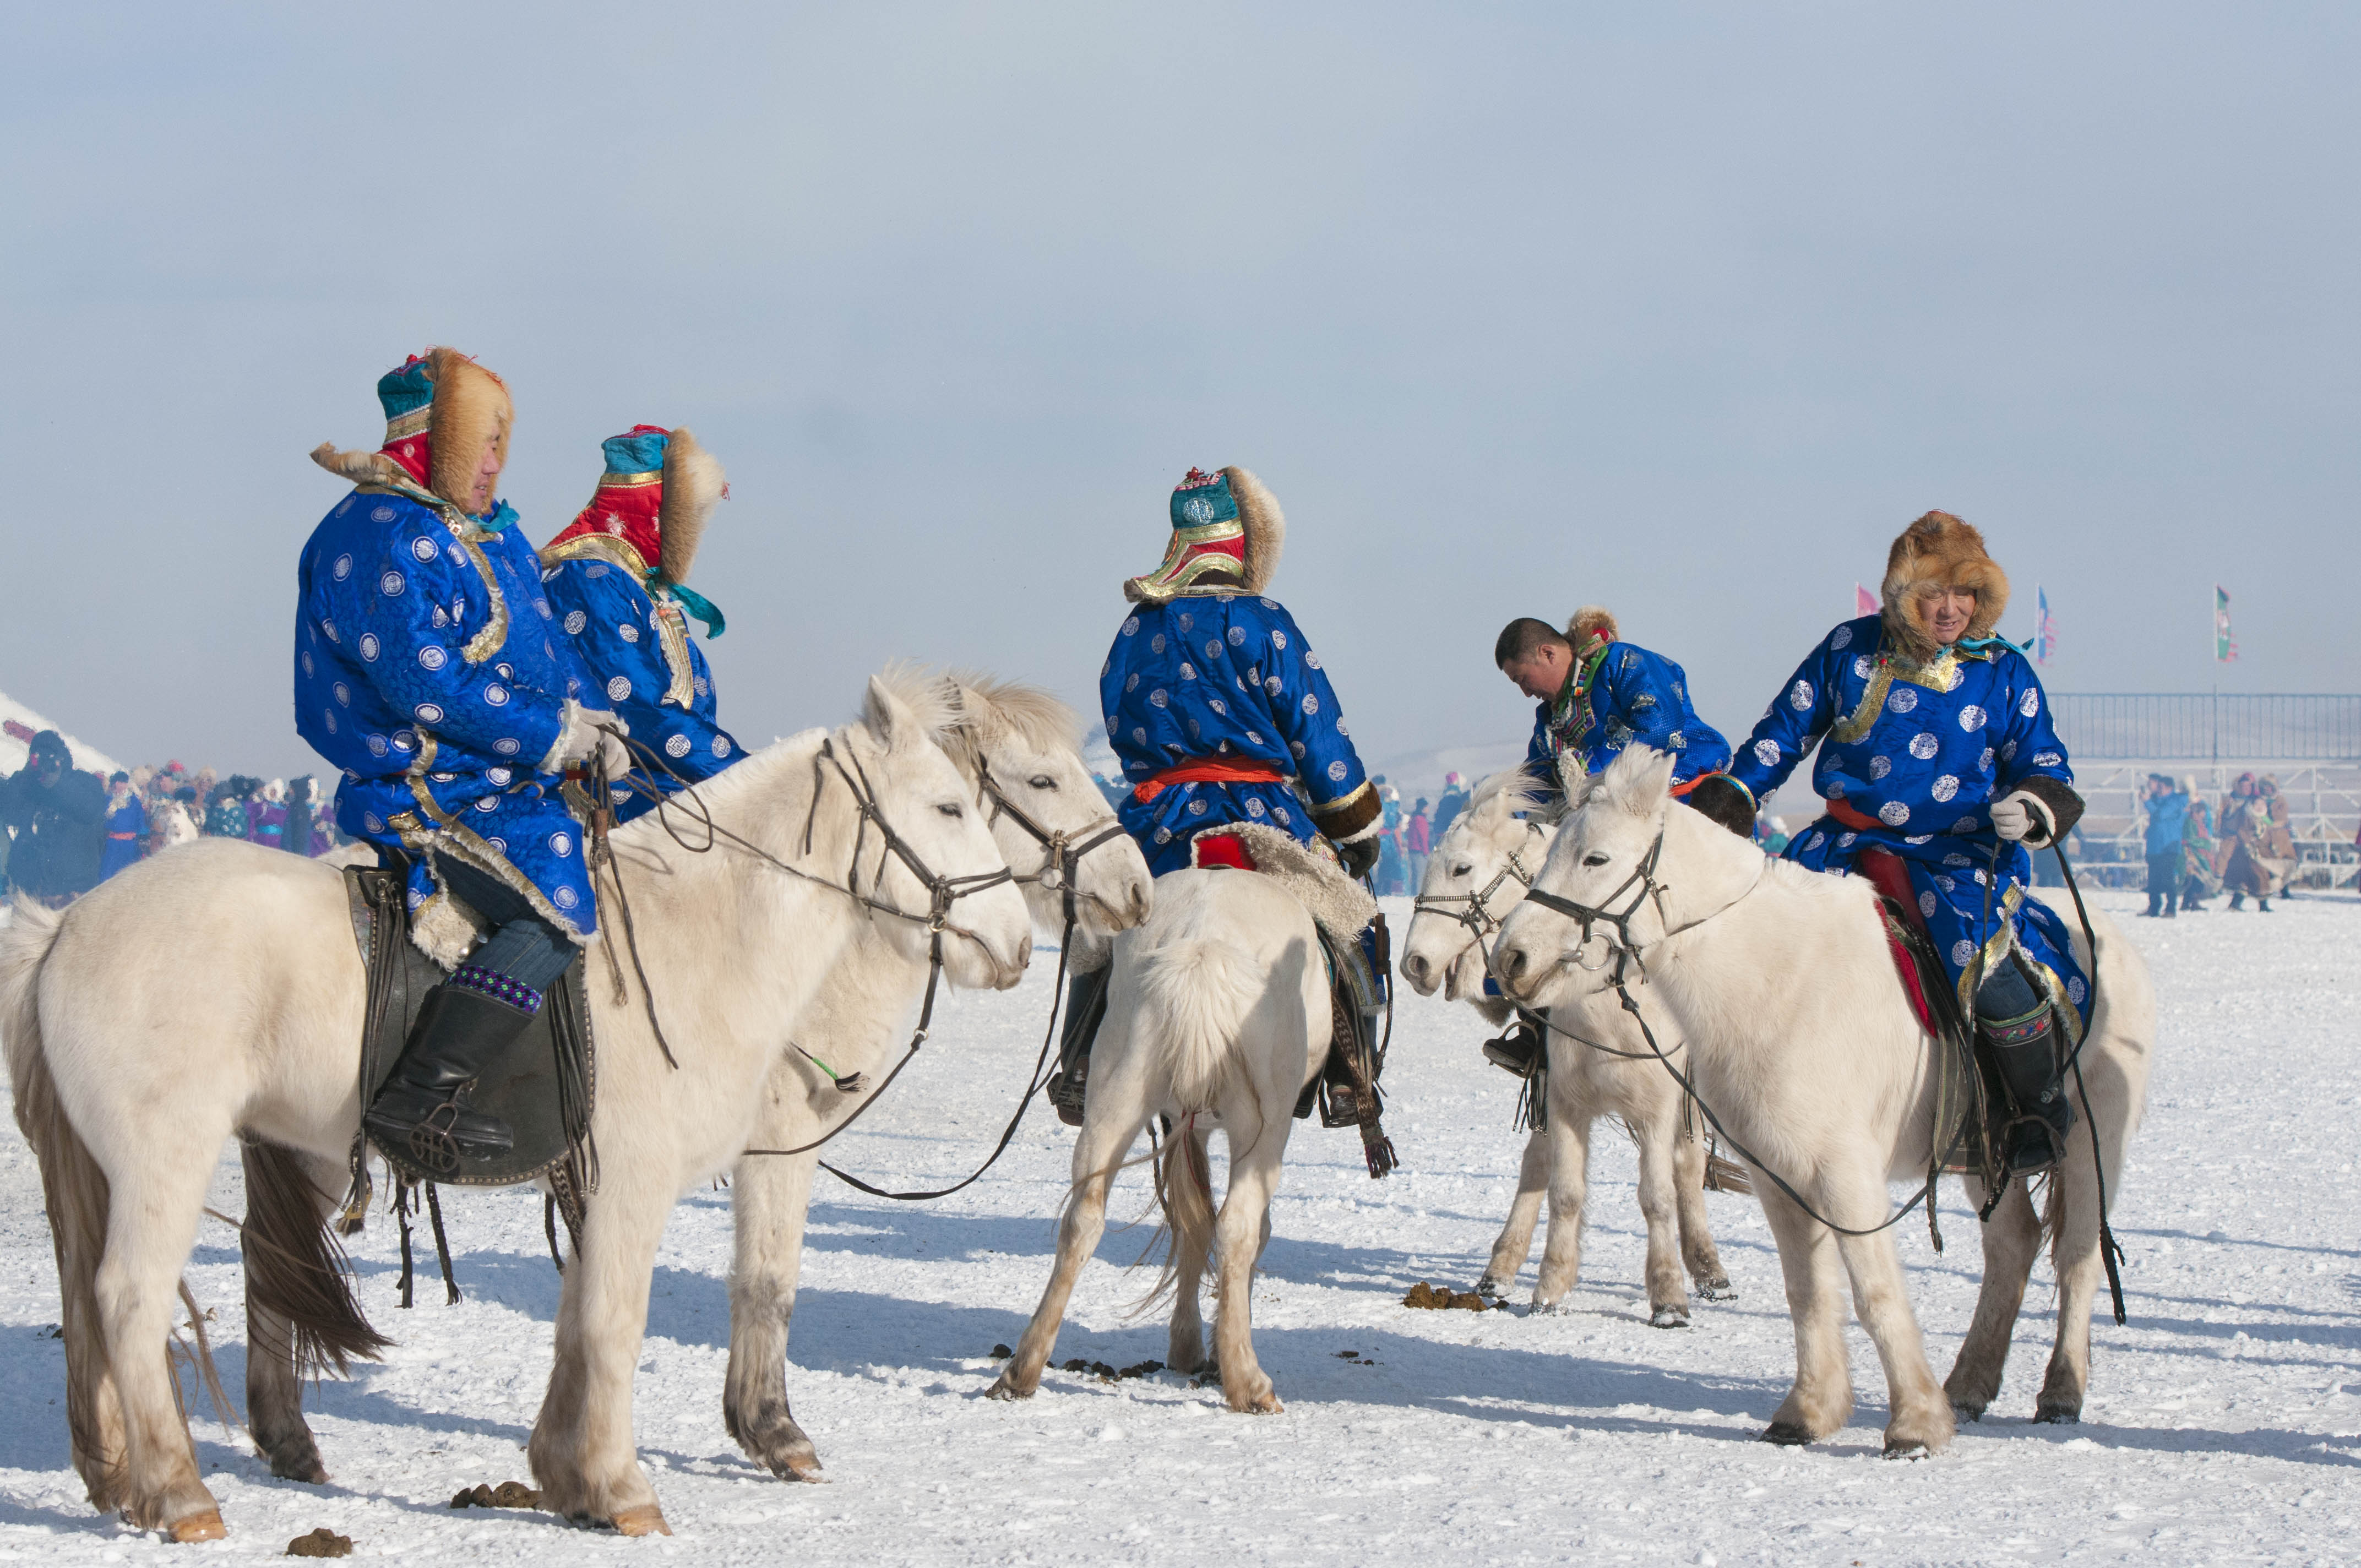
(1205, 770)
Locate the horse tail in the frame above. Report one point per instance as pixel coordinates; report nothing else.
(1199, 989)
(296, 1268)
(1184, 1188)
(75, 1189)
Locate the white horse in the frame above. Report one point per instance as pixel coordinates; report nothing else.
(1478, 872)
(1218, 1016)
(216, 991)
(1803, 1040)
(1019, 750)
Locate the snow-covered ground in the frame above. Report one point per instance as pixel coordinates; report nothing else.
(2224, 1424)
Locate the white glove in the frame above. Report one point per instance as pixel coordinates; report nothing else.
(2019, 816)
(582, 736)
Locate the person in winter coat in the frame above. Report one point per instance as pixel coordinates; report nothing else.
(1938, 763)
(1449, 804)
(2164, 839)
(1597, 693)
(617, 579)
(56, 812)
(302, 827)
(2198, 849)
(431, 673)
(127, 825)
(226, 807)
(1416, 844)
(170, 820)
(266, 814)
(2262, 848)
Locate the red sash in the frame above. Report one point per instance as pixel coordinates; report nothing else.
(1205, 770)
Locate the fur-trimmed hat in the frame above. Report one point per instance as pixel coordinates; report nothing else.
(1592, 620)
(650, 510)
(442, 410)
(1939, 550)
(1224, 522)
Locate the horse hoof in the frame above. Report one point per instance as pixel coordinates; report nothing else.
(646, 1520)
(1786, 1434)
(1669, 1317)
(1906, 1448)
(1003, 1387)
(1719, 1290)
(2052, 1415)
(802, 1467)
(1967, 1412)
(205, 1525)
(1490, 1288)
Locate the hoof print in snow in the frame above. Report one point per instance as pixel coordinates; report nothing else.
(1431, 1297)
(507, 1495)
(321, 1542)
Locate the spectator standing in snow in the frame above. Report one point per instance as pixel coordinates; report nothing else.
(2203, 880)
(56, 812)
(1415, 844)
(127, 825)
(2168, 821)
(172, 820)
(1447, 808)
(225, 808)
(266, 817)
(302, 821)
(2262, 850)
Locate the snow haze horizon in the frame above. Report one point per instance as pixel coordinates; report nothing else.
(1686, 312)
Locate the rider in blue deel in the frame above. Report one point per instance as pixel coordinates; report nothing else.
(618, 580)
(1939, 766)
(429, 669)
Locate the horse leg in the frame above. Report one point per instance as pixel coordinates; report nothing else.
(582, 1451)
(1697, 1251)
(156, 1202)
(1516, 1238)
(1821, 1400)
(1659, 1138)
(770, 1201)
(2074, 1255)
(1113, 1114)
(1190, 1214)
(2011, 1237)
(1238, 1234)
(1920, 1419)
(1569, 1188)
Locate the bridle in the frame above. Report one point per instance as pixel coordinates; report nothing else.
(1644, 889)
(1061, 852)
(1471, 911)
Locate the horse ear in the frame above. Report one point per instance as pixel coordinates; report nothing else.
(1656, 780)
(888, 717)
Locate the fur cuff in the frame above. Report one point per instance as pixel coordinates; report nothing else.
(446, 930)
(2059, 805)
(1338, 904)
(694, 484)
(1346, 818)
(575, 738)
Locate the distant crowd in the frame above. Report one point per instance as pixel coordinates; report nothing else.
(2193, 853)
(63, 830)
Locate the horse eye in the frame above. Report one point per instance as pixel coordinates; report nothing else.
(1463, 870)
(1594, 860)
(1042, 781)
(950, 811)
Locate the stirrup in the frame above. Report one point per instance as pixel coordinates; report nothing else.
(1065, 1095)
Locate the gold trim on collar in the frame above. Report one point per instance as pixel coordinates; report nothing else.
(618, 551)
(1940, 675)
(630, 481)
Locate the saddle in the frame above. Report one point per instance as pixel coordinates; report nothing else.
(544, 1086)
(1970, 1107)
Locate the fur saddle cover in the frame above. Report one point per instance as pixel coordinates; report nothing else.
(543, 1087)
(1340, 906)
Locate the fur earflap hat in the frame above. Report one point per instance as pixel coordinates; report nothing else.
(442, 410)
(650, 511)
(1224, 523)
(1939, 550)
(1592, 620)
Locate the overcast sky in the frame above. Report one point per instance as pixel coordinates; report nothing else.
(1683, 308)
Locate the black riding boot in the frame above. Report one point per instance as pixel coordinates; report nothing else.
(1518, 1052)
(465, 1024)
(1086, 997)
(2019, 1029)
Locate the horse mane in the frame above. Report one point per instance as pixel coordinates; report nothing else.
(1035, 717)
(1505, 794)
(928, 695)
(1635, 781)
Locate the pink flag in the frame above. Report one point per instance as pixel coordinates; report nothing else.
(1863, 601)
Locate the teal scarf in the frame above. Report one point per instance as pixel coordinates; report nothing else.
(695, 603)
